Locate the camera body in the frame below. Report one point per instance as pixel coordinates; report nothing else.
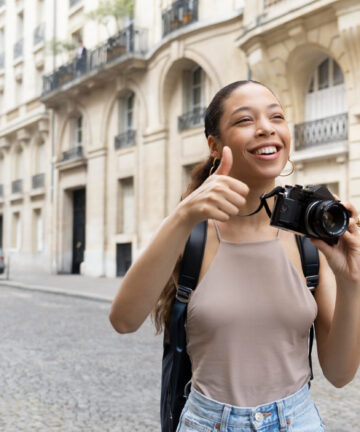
(310, 210)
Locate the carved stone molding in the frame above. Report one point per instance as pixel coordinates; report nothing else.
(23, 135)
(4, 143)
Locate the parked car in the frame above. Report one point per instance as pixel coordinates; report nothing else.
(2, 261)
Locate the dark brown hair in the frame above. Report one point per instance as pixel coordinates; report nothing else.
(162, 311)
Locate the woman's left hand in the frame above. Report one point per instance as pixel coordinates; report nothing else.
(344, 257)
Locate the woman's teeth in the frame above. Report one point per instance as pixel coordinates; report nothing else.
(266, 150)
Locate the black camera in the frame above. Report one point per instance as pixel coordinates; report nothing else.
(312, 211)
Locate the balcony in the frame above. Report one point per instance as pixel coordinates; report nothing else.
(17, 186)
(129, 42)
(125, 139)
(39, 34)
(181, 13)
(18, 49)
(38, 181)
(191, 119)
(319, 132)
(74, 153)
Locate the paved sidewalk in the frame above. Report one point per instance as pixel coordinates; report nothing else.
(73, 285)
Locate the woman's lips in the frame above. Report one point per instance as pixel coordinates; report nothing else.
(266, 157)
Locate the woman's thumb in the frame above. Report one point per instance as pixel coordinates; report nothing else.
(226, 162)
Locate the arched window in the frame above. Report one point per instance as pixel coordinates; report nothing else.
(78, 131)
(126, 121)
(193, 99)
(326, 94)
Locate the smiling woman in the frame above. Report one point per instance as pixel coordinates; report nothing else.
(248, 320)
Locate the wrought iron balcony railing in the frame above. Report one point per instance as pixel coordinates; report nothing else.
(125, 139)
(1, 190)
(181, 13)
(129, 40)
(17, 186)
(2, 60)
(18, 48)
(74, 2)
(39, 34)
(75, 152)
(38, 181)
(191, 119)
(323, 131)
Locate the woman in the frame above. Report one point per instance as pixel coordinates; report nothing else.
(248, 320)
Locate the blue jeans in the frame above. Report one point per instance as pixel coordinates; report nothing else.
(295, 413)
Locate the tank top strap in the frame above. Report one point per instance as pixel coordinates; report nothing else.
(217, 231)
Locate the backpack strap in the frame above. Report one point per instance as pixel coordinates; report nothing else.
(188, 278)
(310, 264)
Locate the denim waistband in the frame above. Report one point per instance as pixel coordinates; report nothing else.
(264, 415)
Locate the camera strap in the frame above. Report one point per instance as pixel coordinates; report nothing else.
(263, 202)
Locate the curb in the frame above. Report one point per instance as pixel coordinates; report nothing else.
(58, 291)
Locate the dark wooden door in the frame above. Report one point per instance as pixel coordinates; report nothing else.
(79, 222)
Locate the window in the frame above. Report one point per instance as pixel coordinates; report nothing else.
(193, 100)
(327, 74)
(193, 83)
(126, 206)
(126, 113)
(77, 131)
(37, 230)
(326, 92)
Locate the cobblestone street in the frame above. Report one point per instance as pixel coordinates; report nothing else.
(63, 368)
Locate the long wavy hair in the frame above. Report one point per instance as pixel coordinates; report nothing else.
(162, 312)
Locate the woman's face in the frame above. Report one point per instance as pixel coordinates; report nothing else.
(253, 125)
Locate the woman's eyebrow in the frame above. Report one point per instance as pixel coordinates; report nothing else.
(247, 108)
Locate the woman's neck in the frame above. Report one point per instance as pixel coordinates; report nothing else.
(259, 219)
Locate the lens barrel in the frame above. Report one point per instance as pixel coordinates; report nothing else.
(326, 219)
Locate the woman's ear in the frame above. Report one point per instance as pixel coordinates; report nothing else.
(215, 147)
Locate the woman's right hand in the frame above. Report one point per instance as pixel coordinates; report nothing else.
(219, 197)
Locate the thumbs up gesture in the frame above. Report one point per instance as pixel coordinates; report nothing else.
(219, 197)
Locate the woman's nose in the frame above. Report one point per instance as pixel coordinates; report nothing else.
(264, 127)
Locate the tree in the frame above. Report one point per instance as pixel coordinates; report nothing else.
(116, 9)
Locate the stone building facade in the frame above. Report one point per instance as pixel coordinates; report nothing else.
(120, 124)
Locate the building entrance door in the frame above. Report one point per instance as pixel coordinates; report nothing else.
(79, 206)
(123, 258)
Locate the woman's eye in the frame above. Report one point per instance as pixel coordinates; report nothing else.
(243, 120)
(279, 116)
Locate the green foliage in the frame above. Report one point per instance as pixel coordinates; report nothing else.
(55, 46)
(108, 9)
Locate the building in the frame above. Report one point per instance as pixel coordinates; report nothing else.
(116, 128)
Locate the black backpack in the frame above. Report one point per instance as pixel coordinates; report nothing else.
(176, 365)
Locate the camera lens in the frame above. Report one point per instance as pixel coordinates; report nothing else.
(326, 219)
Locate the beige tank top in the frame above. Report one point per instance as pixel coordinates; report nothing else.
(247, 325)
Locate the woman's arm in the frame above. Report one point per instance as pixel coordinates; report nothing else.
(219, 197)
(146, 278)
(338, 298)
